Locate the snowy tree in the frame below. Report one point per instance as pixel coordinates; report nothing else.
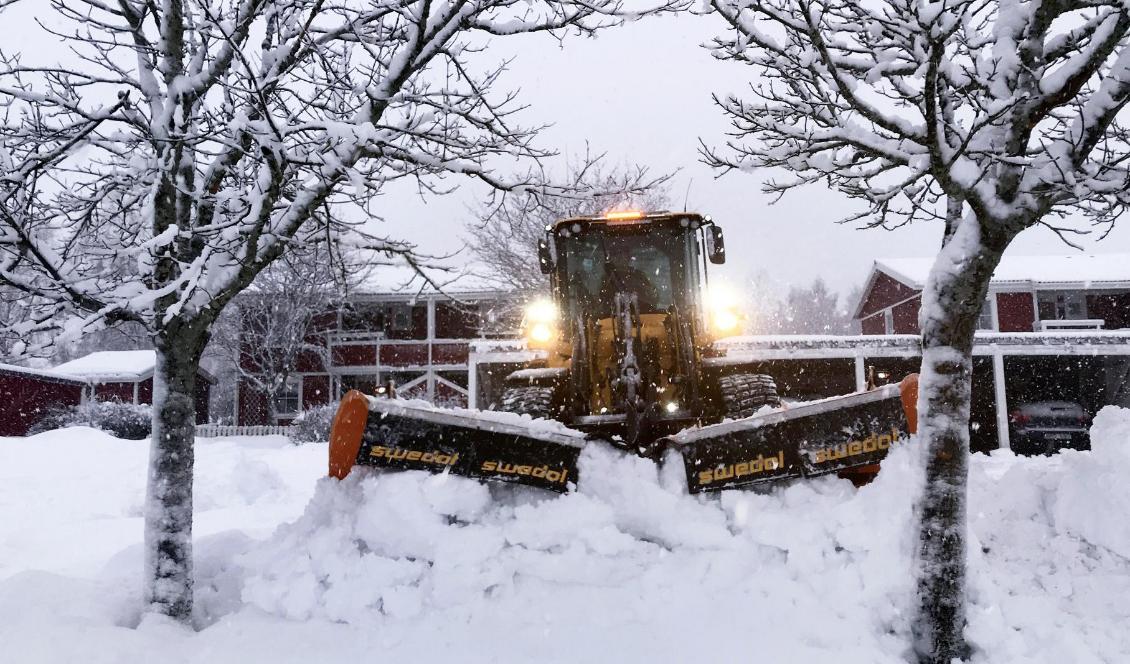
(281, 320)
(504, 237)
(187, 144)
(989, 117)
(812, 310)
(771, 309)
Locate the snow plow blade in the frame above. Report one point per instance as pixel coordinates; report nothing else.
(403, 435)
(841, 434)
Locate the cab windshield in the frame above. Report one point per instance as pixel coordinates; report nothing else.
(649, 261)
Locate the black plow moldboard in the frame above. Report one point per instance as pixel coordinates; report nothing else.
(802, 441)
(420, 438)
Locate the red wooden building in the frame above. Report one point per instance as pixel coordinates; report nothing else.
(127, 376)
(27, 394)
(1026, 294)
(421, 342)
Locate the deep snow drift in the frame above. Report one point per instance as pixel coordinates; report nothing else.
(412, 567)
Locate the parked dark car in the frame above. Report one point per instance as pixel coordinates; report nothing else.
(1045, 427)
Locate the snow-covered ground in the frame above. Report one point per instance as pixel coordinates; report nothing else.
(408, 567)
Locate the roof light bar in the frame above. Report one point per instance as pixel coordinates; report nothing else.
(623, 215)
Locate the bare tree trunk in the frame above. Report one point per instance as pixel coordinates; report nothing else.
(951, 304)
(168, 527)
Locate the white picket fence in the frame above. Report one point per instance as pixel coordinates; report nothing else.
(217, 430)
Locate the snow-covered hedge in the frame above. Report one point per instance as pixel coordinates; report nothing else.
(122, 420)
(313, 426)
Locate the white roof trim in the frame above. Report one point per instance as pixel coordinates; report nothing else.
(1017, 273)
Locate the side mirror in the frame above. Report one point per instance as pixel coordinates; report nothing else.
(715, 245)
(545, 257)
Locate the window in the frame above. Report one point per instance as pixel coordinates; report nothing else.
(648, 262)
(985, 318)
(457, 321)
(1062, 305)
(888, 321)
(394, 320)
(398, 320)
(288, 400)
(362, 318)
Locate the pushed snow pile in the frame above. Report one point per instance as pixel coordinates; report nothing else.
(627, 569)
(422, 568)
(1050, 561)
(622, 570)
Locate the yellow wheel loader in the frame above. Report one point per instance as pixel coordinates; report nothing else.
(627, 358)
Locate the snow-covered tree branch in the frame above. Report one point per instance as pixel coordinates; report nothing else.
(187, 144)
(505, 235)
(279, 324)
(1010, 111)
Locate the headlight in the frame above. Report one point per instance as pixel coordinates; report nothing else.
(541, 332)
(541, 319)
(726, 320)
(722, 307)
(541, 311)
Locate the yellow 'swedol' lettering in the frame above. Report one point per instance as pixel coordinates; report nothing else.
(872, 443)
(736, 471)
(403, 454)
(541, 472)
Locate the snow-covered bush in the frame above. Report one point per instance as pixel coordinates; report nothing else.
(122, 420)
(313, 425)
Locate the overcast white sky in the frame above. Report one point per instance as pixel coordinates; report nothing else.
(641, 94)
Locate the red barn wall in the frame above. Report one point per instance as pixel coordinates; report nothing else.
(203, 392)
(24, 399)
(309, 361)
(252, 405)
(1015, 312)
(1112, 308)
(906, 317)
(454, 322)
(451, 353)
(354, 355)
(884, 293)
(874, 324)
(145, 391)
(121, 392)
(405, 355)
(315, 391)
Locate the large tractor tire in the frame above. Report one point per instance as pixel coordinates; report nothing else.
(745, 394)
(533, 400)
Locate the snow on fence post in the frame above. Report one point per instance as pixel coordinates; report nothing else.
(226, 430)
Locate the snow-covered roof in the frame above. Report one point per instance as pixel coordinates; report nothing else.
(114, 366)
(1065, 271)
(1060, 272)
(42, 373)
(111, 365)
(402, 281)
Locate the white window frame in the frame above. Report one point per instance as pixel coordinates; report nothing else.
(989, 308)
(279, 414)
(1067, 295)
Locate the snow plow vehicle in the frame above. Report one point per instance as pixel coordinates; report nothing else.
(626, 356)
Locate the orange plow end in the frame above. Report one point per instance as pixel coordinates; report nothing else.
(908, 391)
(908, 395)
(347, 431)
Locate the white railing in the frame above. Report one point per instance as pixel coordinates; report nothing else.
(1073, 324)
(217, 430)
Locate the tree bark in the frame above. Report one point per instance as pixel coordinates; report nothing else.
(951, 304)
(168, 516)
